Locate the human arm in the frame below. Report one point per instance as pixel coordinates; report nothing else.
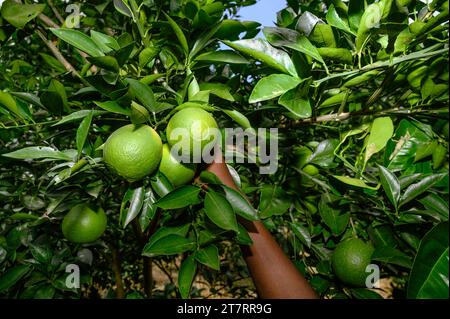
(274, 275)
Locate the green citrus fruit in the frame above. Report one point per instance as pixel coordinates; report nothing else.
(177, 173)
(311, 170)
(133, 152)
(350, 259)
(190, 130)
(84, 225)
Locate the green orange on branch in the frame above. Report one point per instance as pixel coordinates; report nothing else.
(191, 130)
(350, 259)
(133, 152)
(177, 173)
(83, 224)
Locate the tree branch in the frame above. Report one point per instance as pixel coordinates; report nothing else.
(55, 11)
(338, 117)
(116, 268)
(58, 54)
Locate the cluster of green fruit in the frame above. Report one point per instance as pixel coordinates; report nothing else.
(134, 152)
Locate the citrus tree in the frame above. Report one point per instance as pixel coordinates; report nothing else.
(89, 96)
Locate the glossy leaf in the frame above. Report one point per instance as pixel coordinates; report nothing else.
(335, 20)
(260, 50)
(224, 56)
(333, 218)
(179, 33)
(180, 197)
(186, 275)
(12, 276)
(209, 256)
(36, 152)
(296, 102)
(219, 211)
(82, 133)
(420, 187)
(169, 245)
(429, 276)
(272, 86)
(273, 201)
(391, 185)
(381, 131)
(240, 205)
(18, 14)
(79, 40)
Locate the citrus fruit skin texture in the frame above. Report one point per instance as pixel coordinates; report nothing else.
(133, 152)
(84, 225)
(177, 173)
(349, 261)
(199, 128)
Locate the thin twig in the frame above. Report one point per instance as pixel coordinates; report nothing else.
(47, 21)
(344, 116)
(55, 11)
(58, 54)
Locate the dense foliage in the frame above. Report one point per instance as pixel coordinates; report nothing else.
(357, 89)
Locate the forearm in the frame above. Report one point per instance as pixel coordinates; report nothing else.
(274, 275)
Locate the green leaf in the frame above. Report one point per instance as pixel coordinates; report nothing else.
(429, 276)
(147, 55)
(219, 211)
(144, 94)
(135, 198)
(203, 40)
(105, 62)
(139, 114)
(224, 56)
(355, 12)
(273, 201)
(261, 50)
(218, 89)
(161, 185)
(79, 40)
(186, 276)
(239, 118)
(75, 116)
(293, 40)
(82, 132)
(240, 205)
(52, 62)
(302, 233)
(363, 293)
(243, 238)
(12, 276)
(8, 101)
(334, 219)
(391, 185)
(180, 197)
(105, 42)
(123, 8)
(35, 152)
(334, 20)
(420, 187)
(324, 153)
(179, 33)
(354, 182)
(436, 203)
(272, 86)
(114, 107)
(169, 245)
(209, 256)
(297, 102)
(148, 211)
(381, 131)
(45, 292)
(166, 231)
(18, 15)
(391, 255)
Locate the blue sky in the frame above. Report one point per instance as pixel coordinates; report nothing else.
(264, 11)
